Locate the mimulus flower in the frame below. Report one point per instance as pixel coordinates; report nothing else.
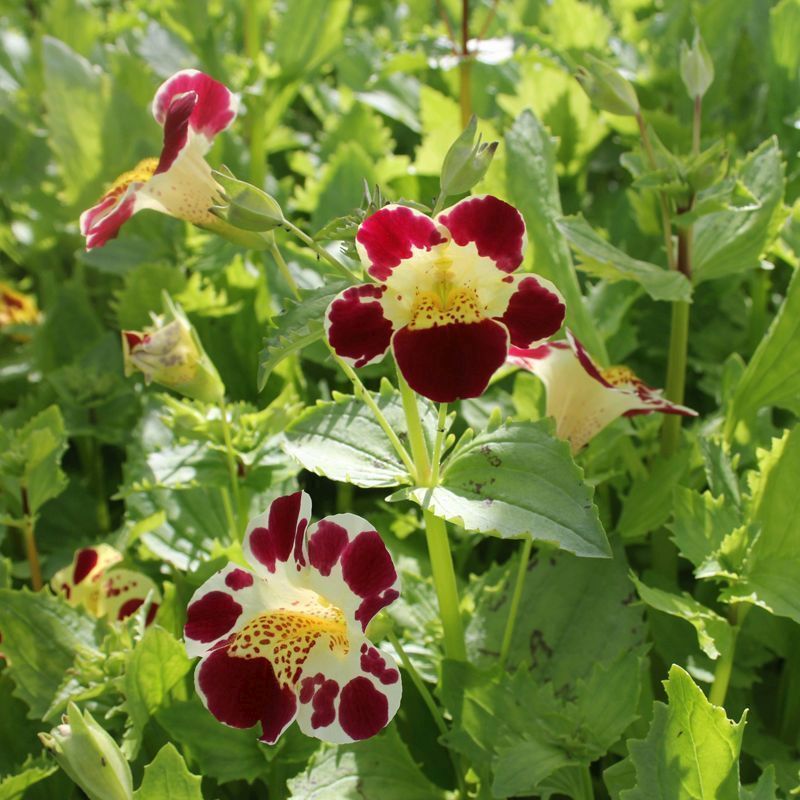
(192, 108)
(16, 308)
(286, 640)
(582, 397)
(445, 298)
(94, 581)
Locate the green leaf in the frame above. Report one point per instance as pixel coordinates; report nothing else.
(533, 188)
(765, 789)
(691, 751)
(156, 665)
(13, 787)
(517, 480)
(41, 637)
(297, 327)
(45, 441)
(731, 241)
(377, 767)
(714, 634)
(167, 776)
(601, 258)
(772, 378)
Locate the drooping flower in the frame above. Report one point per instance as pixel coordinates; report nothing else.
(93, 580)
(192, 108)
(582, 397)
(16, 308)
(170, 353)
(445, 298)
(286, 640)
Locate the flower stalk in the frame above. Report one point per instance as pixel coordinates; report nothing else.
(284, 269)
(320, 251)
(234, 517)
(465, 68)
(519, 583)
(722, 673)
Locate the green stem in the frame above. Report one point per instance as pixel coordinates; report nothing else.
(344, 497)
(676, 376)
(233, 528)
(696, 122)
(465, 68)
(31, 552)
(256, 108)
(722, 674)
(439, 204)
(233, 469)
(321, 251)
(441, 427)
(522, 569)
(284, 269)
(365, 395)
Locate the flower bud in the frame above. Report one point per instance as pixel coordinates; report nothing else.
(607, 89)
(697, 68)
(170, 353)
(91, 758)
(245, 206)
(466, 161)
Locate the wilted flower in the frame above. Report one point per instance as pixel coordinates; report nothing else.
(192, 108)
(286, 640)
(91, 758)
(16, 308)
(170, 353)
(582, 397)
(445, 298)
(94, 581)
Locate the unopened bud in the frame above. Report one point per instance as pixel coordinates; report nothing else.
(607, 89)
(245, 206)
(697, 68)
(90, 756)
(466, 161)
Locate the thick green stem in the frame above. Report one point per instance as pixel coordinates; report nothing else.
(321, 252)
(465, 68)
(441, 427)
(722, 674)
(233, 528)
(256, 107)
(519, 583)
(233, 468)
(284, 269)
(31, 552)
(676, 376)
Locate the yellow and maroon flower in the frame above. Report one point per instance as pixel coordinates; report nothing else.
(93, 580)
(16, 308)
(192, 108)
(445, 298)
(582, 397)
(286, 640)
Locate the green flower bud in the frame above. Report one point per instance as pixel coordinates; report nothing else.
(697, 68)
(607, 89)
(466, 161)
(246, 207)
(91, 758)
(170, 353)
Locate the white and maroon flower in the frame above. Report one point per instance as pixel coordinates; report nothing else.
(445, 298)
(286, 640)
(94, 581)
(192, 108)
(582, 397)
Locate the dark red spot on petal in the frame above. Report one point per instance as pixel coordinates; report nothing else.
(533, 313)
(176, 128)
(373, 663)
(275, 542)
(358, 329)
(211, 617)
(326, 545)
(85, 562)
(371, 605)
(151, 614)
(129, 607)
(367, 567)
(363, 710)
(324, 712)
(238, 579)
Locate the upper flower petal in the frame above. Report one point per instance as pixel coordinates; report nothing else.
(213, 109)
(79, 581)
(535, 310)
(123, 592)
(356, 326)
(495, 228)
(451, 362)
(392, 235)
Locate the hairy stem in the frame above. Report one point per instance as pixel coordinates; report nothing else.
(321, 252)
(519, 583)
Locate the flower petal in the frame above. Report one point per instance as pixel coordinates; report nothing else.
(241, 692)
(223, 604)
(495, 228)
(215, 107)
(392, 235)
(350, 566)
(123, 591)
(586, 361)
(535, 311)
(277, 536)
(102, 222)
(451, 362)
(356, 326)
(350, 699)
(79, 581)
(176, 130)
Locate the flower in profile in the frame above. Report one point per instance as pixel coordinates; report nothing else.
(93, 580)
(445, 298)
(582, 397)
(16, 308)
(170, 353)
(192, 108)
(286, 640)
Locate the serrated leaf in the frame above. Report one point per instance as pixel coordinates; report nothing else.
(691, 751)
(518, 480)
(13, 787)
(601, 258)
(167, 776)
(299, 326)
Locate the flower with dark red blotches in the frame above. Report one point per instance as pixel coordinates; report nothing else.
(16, 308)
(286, 640)
(445, 298)
(93, 580)
(582, 397)
(192, 108)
